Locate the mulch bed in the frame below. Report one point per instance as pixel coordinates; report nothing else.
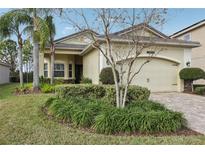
(25, 91)
(183, 132)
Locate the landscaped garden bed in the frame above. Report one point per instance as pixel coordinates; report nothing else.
(91, 107)
(22, 122)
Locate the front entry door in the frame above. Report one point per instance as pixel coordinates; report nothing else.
(78, 72)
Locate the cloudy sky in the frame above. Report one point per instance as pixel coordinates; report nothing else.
(177, 19)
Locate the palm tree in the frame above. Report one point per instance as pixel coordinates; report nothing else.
(52, 31)
(39, 32)
(15, 23)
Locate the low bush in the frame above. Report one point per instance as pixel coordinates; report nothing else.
(86, 80)
(106, 76)
(23, 90)
(47, 88)
(146, 117)
(103, 92)
(200, 90)
(44, 80)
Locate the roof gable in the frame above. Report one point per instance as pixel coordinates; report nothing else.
(81, 37)
(137, 29)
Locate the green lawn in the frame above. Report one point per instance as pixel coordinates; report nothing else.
(22, 122)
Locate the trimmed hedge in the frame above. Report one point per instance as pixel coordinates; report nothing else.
(103, 92)
(192, 74)
(106, 119)
(200, 90)
(106, 76)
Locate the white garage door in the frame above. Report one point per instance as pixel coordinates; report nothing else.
(158, 75)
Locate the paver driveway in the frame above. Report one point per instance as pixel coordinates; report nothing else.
(192, 106)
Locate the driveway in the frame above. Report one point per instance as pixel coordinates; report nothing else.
(192, 106)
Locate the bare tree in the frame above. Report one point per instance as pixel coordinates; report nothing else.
(123, 58)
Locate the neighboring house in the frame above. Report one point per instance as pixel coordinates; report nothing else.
(75, 57)
(195, 32)
(4, 73)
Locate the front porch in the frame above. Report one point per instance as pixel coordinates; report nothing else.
(68, 67)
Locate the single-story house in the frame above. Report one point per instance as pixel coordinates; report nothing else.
(4, 73)
(76, 57)
(195, 32)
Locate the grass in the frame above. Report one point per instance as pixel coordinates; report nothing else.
(22, 122)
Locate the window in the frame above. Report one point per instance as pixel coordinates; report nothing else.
(58, 70)
(45, 70)
(187, 37)
(70, 70)
(151, 52)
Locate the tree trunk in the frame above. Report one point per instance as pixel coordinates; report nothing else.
(52, 50)
(36, 87)
(125, 96)
(35, 67)
(117, 87)
(20, 64)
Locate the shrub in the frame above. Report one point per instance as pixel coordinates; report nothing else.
(107, 119)
(128, 120)
(60, 109)
(192, 74)
(106, 76)
(103, 92)
(43, 80)
(81, 91)
(161, 121)
(23, 90)
(200, 90)
(47, 88)
(86, 80)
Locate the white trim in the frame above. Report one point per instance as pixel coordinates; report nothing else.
(146, 28)
(187, 56)
(187, 30)
(159, 57)
(65, 52)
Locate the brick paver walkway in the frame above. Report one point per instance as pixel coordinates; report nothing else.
(192, 106)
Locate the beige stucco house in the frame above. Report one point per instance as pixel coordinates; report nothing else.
(76, 57)
(195, 32)
(4, 73)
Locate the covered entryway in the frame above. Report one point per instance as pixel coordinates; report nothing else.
(159, 75)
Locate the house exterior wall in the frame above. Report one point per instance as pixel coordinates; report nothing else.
(65, 59)
(198, 54)
(91, 65)
(4, 74)
(175, 57)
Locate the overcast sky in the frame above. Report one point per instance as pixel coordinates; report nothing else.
(177, 19)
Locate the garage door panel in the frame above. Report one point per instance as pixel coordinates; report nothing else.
(157, 75)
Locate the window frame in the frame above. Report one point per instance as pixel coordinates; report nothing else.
(45, 70)
(184, 37)
(56, 71)
(70, 70)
